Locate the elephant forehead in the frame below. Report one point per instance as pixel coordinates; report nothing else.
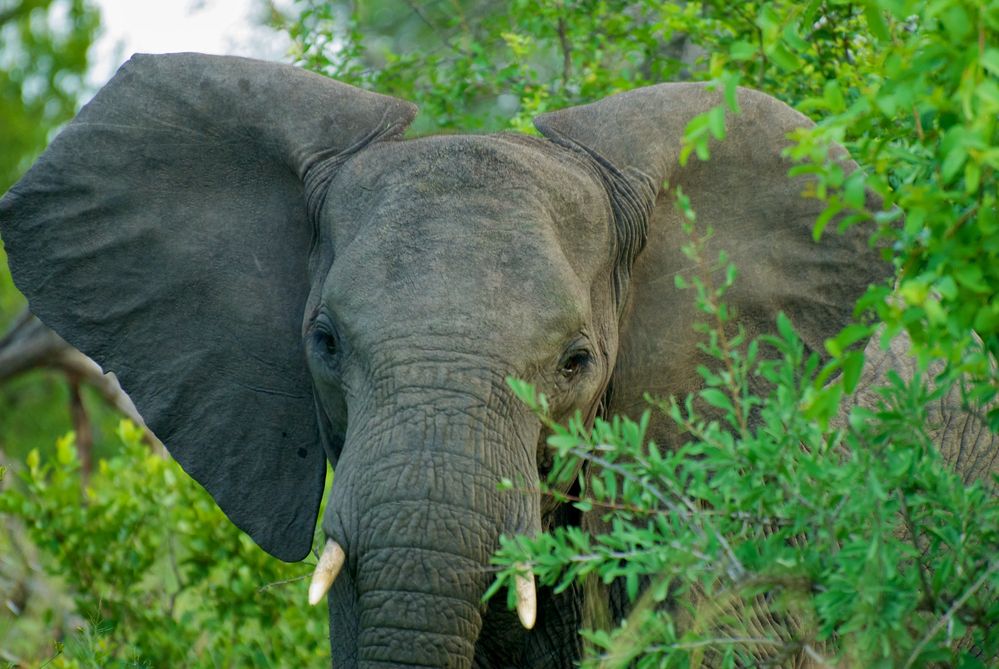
(449, 183)
(476, 278)
(474, 233)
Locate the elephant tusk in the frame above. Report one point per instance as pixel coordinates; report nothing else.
(527, 598)
(329, 565)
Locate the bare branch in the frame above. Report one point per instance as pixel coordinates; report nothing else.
(566, 45)
(83, 429)
(293, 579)
(30, 344)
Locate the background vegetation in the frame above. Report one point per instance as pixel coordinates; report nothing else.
(807, 517)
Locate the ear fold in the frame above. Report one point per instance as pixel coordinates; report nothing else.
(166, 232)
(758, 214)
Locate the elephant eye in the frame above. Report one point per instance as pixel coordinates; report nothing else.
(324, 336)
(574, 363)
(327, 342)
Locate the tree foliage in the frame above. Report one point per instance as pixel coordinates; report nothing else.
(43, 61)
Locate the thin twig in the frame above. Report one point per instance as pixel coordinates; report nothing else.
(294, 579)
(566, 45)
(737, 570)
(910, 526)
(919, 124)
(946, 618)
(812, 653)
(181, 586)
(434, 29)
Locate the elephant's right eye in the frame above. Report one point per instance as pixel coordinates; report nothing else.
(326, 342)
(574, 363)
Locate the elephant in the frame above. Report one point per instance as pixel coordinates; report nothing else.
(279, 280)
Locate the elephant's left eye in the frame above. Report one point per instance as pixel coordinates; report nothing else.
(324, 336)
(574, 363)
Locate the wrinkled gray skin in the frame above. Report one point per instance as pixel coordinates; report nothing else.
(964, 439)
(278, 280)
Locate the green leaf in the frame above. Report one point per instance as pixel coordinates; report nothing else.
(972, 177)
(742, 50)
(785, 328)
(631, 585)
(971, 277)
(854, 191)
(716, 122)
(990, 60)
(832, 95)
(523, 390)
(846, 338)
(875, 20)
(783, 57)
(809, 16)
(793, 39)
(853, 365)
(952, 163)
(957, 23)
(732, 94)
(832, 208)
(717, 398)
(66, 449)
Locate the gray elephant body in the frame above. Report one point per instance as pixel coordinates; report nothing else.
(961, 434)
(279, 280)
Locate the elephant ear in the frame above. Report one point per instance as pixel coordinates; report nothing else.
(759, 215)
(166, 232)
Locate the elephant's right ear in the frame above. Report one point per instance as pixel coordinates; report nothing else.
(166, 233)
(760, 216)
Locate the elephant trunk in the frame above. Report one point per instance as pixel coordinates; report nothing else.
(420, 513)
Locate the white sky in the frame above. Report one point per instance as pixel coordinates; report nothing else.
(161, 26)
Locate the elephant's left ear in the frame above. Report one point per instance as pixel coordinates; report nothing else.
(759, 215)
(166, 232)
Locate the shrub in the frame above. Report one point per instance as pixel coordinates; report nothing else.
(138, 524)
(768, 535)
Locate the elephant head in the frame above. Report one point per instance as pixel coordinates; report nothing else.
(279, 280)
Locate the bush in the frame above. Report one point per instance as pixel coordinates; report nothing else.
(138, 524)
(767, 536)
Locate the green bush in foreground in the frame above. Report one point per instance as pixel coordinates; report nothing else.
(158, 575)
(768, 535)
